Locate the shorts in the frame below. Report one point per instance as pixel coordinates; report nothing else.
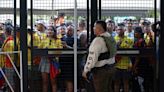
(10, 72)
(122, 74)
(44, 65)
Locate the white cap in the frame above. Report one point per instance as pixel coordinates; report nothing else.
(108, 19)
(41, 22)
(55, 16)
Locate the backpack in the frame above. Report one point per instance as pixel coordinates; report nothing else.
(111, 45)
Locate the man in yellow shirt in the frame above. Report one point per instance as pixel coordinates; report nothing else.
(148, 35)
(123, 64)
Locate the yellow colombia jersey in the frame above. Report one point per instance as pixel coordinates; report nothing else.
(8, 46)
(43, 40)
(36, 39)
(147, 38)
(36, 43)
(52, 43)
(55, 44)
(124, 61)
(29, 50)
(39, 41)
(59, 36)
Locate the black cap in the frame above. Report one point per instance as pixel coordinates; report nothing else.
(146, 23)
(121, 24)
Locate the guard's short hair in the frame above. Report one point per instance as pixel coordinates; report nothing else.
(102, 23)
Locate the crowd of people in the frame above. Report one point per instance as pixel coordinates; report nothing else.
(60, 35)
(128, 35)
(55, 35)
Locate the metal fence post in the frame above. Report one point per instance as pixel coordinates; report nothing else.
(94, 16)
(75, 46)
(23, 42)
(161, 63)
(100, 13)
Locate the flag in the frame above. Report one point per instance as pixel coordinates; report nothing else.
(2, 81)
(54, 69)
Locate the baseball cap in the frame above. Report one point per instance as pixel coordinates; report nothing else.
(109, 21)
(42, 22)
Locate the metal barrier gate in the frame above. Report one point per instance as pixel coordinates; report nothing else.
(15, 69)
(92, 9)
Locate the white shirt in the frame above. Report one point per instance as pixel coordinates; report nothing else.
(97, 47)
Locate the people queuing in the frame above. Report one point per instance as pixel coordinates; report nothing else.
(60, 35)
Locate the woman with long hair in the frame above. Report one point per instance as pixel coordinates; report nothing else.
(49, 64)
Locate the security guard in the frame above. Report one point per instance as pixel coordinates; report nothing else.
(101, 58)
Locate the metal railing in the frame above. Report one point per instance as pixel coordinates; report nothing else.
(20, 75)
